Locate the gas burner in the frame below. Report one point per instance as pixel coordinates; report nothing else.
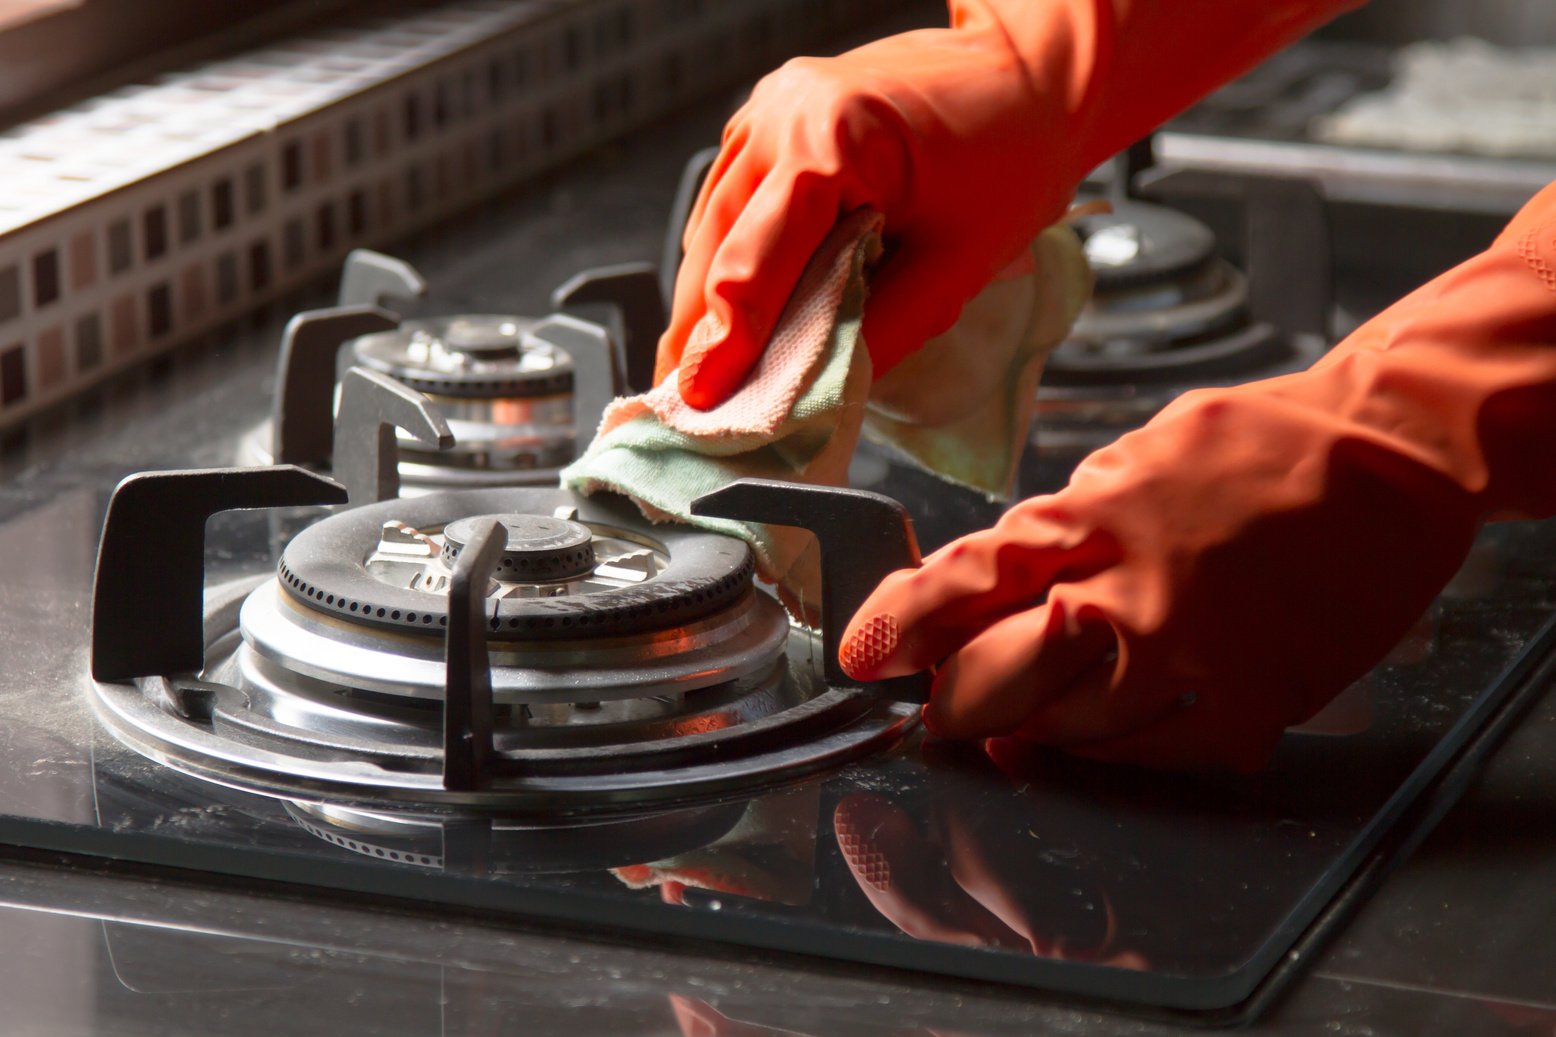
(517, 394)
(508, 394)
(1167, 315)
(524, 653)
(583, 604)
(1160, 292)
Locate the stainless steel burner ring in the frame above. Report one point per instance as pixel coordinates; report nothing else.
(301, 739)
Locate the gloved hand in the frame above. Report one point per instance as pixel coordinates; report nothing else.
(968, 140)
(1223, 572)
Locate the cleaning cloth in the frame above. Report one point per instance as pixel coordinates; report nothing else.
(960, 409)
(962, 405)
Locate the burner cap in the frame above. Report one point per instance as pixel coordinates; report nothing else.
(481, 337)
(540, 548)
(1138, 244)
(637, 578)
(477, 356)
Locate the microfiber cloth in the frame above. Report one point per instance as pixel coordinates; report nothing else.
(960, 408)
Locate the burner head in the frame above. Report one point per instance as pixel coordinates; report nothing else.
(540, 548)
(1138, 245)
(472, 356)
(515, 393)
(481, 338)
(1164, 307)
(565, 575)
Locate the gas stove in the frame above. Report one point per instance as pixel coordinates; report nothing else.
(497, 696)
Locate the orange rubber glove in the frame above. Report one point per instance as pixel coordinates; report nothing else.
(1226, 570)
(968, 140)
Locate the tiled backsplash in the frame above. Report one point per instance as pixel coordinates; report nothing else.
(136, 220)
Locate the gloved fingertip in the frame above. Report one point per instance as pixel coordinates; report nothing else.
(696, 393)
(868, 644)
(699, 382)
(704, 379)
